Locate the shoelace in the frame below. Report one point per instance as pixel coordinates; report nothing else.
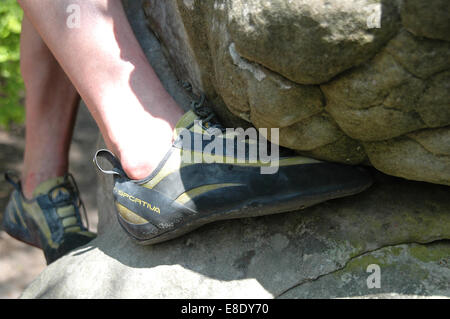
(80, 202)
(202, 110)
(207, 115)
(74, 199)
(70, 185)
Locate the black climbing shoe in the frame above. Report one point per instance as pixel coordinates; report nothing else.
(51, 220)
(181, 195)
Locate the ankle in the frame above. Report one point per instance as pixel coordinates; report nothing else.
(137, 169)
(141, 147)
(30, 181)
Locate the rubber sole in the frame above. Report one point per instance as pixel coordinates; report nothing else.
(243, 212)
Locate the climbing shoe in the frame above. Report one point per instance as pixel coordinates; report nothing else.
(51, 220)
(196, 184)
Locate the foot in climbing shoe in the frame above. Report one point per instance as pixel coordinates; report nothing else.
(51, 220)
(182, 194)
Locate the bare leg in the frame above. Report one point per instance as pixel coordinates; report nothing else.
(51, 105)
(104, 61)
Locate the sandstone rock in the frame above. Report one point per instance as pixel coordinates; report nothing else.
(322, 251)
(377, 101)
(421, 155)
(427, 18)
(419, 56)
(334, 77)
(310, 42)
(430, 263)
(433, 105)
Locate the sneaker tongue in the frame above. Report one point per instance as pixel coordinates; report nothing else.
(44, 187)
(190, 120)
(186, 121)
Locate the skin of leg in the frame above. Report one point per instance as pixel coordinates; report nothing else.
(51, 105)
(106, 64)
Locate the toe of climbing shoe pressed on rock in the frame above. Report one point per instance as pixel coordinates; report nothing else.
(183, 193)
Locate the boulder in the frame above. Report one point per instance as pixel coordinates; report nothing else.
(427, 19)
(339, 79)
(322, 251)
(406, 271)
(329, 250)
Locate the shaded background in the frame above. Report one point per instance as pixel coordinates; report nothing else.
(21, 263)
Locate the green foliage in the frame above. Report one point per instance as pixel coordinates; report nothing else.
(11, 83)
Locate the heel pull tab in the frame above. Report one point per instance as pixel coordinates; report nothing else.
(106, 154)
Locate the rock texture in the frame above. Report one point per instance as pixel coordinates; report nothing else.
(323, 251)
(406, 271)
(345, 81)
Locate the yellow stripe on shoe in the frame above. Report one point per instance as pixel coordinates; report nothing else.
(130, 216)
(35, 213)
(189, 195)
